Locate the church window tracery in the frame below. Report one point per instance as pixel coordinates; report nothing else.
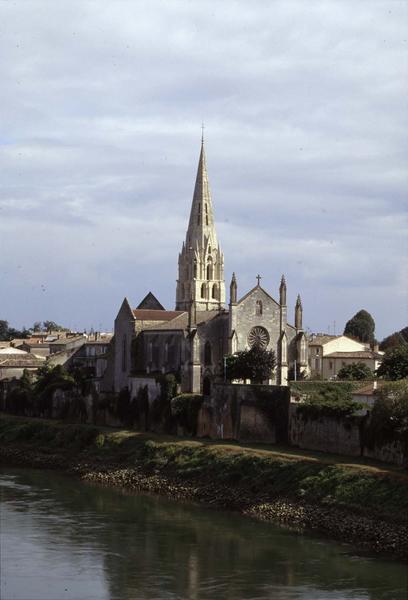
(258, 337)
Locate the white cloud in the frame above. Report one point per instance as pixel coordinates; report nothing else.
(306, 123)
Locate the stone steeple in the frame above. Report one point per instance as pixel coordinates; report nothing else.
(201, 262)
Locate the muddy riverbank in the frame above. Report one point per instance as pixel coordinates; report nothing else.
(332, 500)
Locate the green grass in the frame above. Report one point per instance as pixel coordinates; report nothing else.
(265, 472)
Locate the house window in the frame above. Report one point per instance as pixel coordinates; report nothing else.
(330, 365)
(258, 308)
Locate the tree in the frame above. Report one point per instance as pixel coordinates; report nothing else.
(361, 326)
(255, 364)
(398, 338)
(4, 329)
(389, 417)
(8, 333)
(355, 371)
(36, 327)
(53, 326)
(394, 364)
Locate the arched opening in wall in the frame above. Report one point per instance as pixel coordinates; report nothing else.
(258, 308)
(195, 269)
(124, 353)
(207, 386)
(215, 291)
(203, 290)
(207, 354)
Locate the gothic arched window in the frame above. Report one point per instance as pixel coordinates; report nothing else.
(215, 291)
(207, 353)
(209, 269)
(258, 308)
(203, 294)
(195, 269)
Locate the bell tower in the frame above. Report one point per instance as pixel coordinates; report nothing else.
(201, 262)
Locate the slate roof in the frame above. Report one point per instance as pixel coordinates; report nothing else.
(156, 315)
(181, 321)
(150, 302)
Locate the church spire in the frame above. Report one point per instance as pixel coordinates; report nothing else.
(201, 223)
(201, 262)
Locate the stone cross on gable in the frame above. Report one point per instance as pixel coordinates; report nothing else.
(259, 279)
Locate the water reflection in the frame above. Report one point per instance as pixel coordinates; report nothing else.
(65, 539)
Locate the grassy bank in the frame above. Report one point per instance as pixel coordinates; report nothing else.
(303, 489)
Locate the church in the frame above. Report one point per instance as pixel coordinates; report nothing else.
(193, 340)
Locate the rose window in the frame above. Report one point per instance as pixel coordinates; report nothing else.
(258, 337)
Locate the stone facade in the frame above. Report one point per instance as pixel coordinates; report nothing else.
(193, 340)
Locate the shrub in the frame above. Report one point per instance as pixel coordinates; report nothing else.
(355, 371)
(329, 400)
(185, 408)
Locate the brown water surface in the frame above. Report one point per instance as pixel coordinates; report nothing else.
(64, 539)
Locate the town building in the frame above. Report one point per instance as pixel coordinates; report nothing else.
(193, 340)
(330, 353)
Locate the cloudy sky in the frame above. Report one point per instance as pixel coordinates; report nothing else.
(305, 111)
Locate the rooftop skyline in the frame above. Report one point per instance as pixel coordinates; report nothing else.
(306, 144)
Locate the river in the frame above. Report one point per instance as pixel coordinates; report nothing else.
(65, 539)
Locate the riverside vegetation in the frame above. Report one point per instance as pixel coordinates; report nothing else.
(362, 503)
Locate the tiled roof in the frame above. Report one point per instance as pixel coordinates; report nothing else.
(358, 354)
(13, 351)
(144, 314)
(67, 340)
(20, 360)
(368, 389)
(320, 340)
